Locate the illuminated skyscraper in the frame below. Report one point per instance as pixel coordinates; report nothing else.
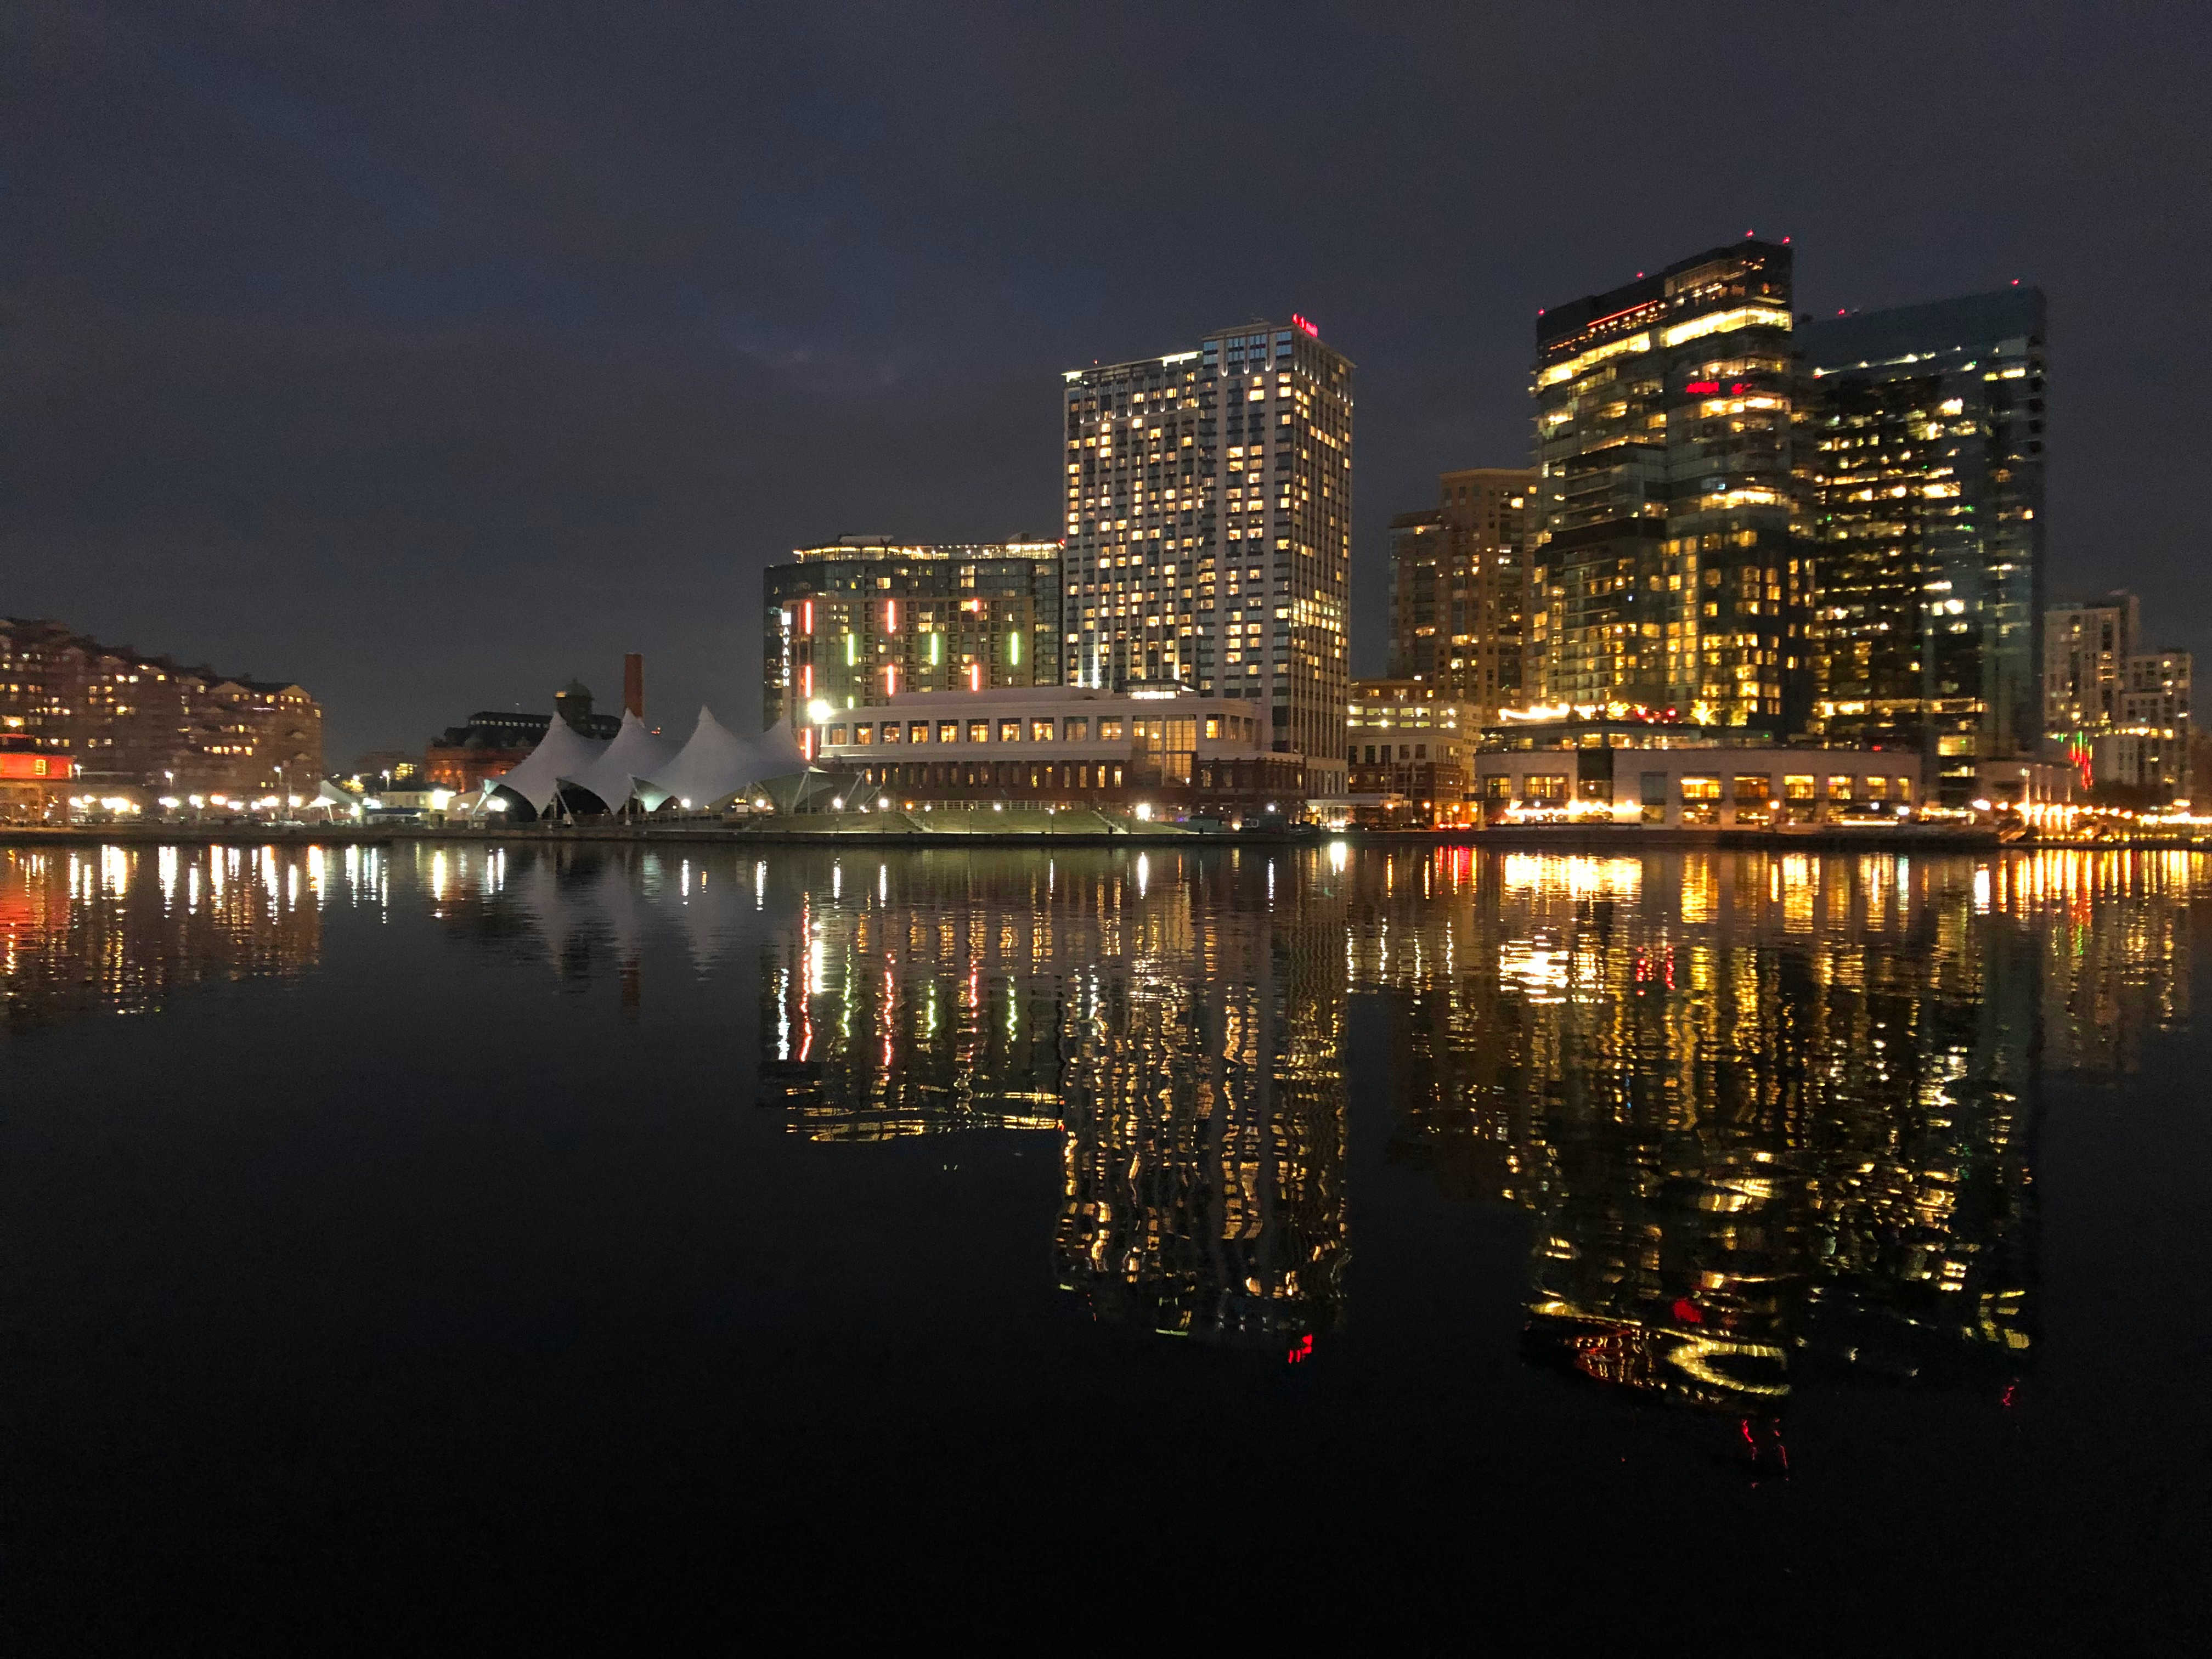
(1670, 570)
(2086, 649)
(1459, 590)
(1927, 463)
(1209, 529)
(854, 623)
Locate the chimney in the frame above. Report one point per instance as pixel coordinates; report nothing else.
(634, 685)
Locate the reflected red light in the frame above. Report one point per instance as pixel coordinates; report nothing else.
(1687, 1311)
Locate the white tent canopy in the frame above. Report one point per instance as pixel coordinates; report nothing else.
(563, 752)
(776, 753)
(635, 753)
(713, 764)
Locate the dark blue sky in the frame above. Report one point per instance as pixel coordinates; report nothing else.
(431, 354)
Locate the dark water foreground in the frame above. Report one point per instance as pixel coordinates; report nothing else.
(1727, 1250)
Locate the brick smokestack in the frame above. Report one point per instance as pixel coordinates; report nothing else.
(634, 685)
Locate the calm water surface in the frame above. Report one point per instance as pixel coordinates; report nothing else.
(1761, 1250)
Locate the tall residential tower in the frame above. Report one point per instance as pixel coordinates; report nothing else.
(1209, 529)
(1671, 571)
(1459, 590)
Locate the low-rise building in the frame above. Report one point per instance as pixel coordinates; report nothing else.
(493, 741)
(1407, 743)
(1679, 775)
(1165, 749)
(1718, 787)
(33, 779)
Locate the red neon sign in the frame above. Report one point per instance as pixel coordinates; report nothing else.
(33, 766)
(1301, 1351)
(1702, 388)
(1309, 330)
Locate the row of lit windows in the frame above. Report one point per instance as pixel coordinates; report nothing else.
(1070, 728)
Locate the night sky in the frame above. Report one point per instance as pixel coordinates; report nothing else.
(430, 355)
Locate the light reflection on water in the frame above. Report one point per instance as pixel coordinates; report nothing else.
(1772, 1116)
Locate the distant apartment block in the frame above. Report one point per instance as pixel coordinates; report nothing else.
(2122, 712)
(852, 623)
(128, 718)
(1459, 589)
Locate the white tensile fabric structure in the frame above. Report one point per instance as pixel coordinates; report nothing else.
(776, 753)
(635, 755)
(563, 752)
(713, 764)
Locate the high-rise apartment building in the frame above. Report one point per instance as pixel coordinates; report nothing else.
(1671, 570)
(2157, 690)
(2122, 712)
(2086, 653)
(1926, 449)
(1420, 595)
(854, 623)
(1209, 529)
(1459, 590)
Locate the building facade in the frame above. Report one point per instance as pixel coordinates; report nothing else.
(1209, 529)
(136, 721)
(2157, 690)
(1173, 751)
(1407, 745)
(1671, 572)
(1421, 597)
(491, 741)
(1696, 786)
(1459, 589)
(2086, 653)
(1927, 426)
(2122, 713)
(854, 623)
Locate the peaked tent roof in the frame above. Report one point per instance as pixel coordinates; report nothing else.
(713, 765)
(634, 753)
(563, 752)
(776, 752)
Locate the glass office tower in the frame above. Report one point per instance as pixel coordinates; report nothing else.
(1672, 574)
(1927, 449)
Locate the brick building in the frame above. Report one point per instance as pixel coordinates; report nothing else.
(129, 721)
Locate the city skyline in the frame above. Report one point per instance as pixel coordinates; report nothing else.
(331, 348)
